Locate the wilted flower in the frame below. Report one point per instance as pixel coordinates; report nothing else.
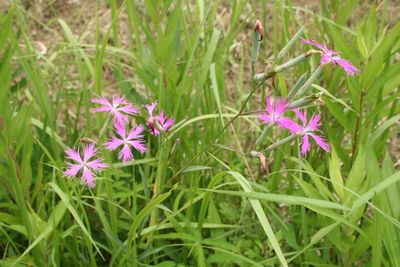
(274, 113)
(330, 56)
(161, 120)
(259, 29)
(88, 167)
(308, 129)
(119, 108)
(263, 161)
(134, 139)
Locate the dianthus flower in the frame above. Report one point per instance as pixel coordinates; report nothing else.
(163, 121)
(133, 139)
(308, 129)
(88, 167)
(330, 56)
(119, 108)
(274, 113)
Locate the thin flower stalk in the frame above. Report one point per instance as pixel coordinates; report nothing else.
(289, 64)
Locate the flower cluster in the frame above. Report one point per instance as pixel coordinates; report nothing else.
(126, 137)
(274, 114)
(276, 110)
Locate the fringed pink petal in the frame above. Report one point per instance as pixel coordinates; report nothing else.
(314, 43)
(280, 106)
(102, 109)
(88, 152)
(73, 154)
(136, 132)
(129, 109)
(150, 108)
(268, 105)
(125, 153)
(113, 143)
(97, 164)
(321, 142)
(325, 59)
(117, 100)
(314, 122)
(120, 118)
(120, 129)
(302, 116)
(290, 125)
(167, 124)
(138, 145)
(88, 177)
(305, 147)
(72, 170)
(346, 65)
(101, 100)
(265, 118)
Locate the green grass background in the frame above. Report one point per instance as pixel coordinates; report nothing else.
(202, 207)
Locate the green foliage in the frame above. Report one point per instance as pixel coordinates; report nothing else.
(208, 203)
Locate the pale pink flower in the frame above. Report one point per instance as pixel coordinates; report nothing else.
(152, 119)
(119, 108)
(330, 56)
(88, 167)
(163, 121)
(308, 129)
(133, 139)
(274, 113)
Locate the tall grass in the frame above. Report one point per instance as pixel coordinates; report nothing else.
(206, 204)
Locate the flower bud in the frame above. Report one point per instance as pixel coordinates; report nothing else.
(254, 154)
(175, 147)
(258, 28)
(263, 135)
(257, 38)
(314, 76)
(302, 102)
(263, 160)
(87, 140)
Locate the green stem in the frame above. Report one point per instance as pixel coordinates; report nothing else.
(263, 135)
(269, 76)
(289, 64)
(105, 127)
(307, 84)
(281, 142)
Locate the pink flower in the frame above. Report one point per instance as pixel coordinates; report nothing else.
(133, 139)
(88, 167)
(274, 113)
(119, 108)
(308, 129)
(330, 56)
(163, 121)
